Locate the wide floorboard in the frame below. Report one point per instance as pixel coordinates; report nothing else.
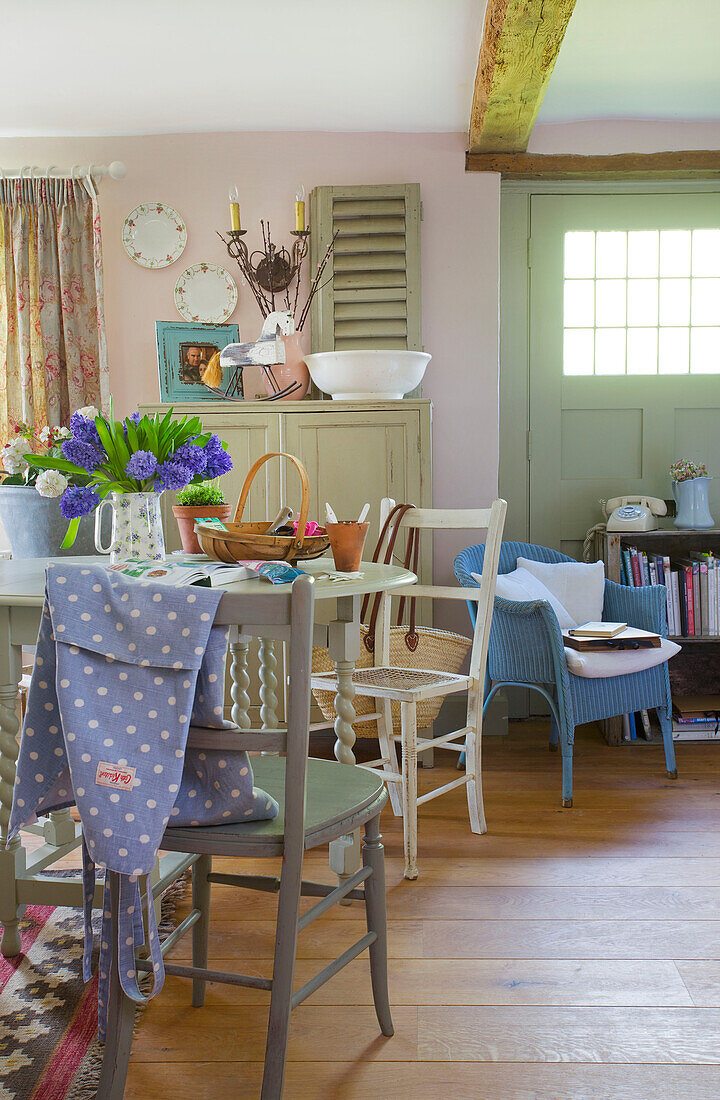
(565, 955)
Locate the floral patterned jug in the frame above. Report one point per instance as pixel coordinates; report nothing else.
(136, 527)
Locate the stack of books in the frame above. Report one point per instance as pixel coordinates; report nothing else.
(692, 588)
(696, 717)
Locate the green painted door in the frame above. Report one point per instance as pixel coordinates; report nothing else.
(624, 363)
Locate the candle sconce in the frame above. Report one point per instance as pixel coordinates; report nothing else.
(270, 270)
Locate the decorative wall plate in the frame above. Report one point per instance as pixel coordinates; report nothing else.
(154, 235)
(206, 294)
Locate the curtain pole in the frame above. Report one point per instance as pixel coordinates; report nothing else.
(116, 170)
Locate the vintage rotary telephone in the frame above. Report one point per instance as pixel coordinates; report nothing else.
(633, 513)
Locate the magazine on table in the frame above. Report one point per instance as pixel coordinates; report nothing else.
(179, 570)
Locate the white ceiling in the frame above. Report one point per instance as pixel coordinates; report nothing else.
(91, 67)
(654, 59)
(162, 66)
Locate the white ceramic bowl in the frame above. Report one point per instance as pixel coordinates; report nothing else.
(367, 375)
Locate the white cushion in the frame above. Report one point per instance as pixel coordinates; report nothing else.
(608, 662)
(521, 585)
(578, 586)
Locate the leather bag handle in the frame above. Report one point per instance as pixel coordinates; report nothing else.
(392, 524)
(304, 482)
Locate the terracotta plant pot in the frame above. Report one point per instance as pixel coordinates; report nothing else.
(347, 539)
(187, 516)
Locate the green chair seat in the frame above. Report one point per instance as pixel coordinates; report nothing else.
(338, 798)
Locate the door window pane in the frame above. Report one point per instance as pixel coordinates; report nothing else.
(642, 350)
(610, 297)
(578, 350)
(610, 350)
(611, 255)
(643, 254)
(706, 252)
(706, 301)
(642, 302)
(674, 350)
(675, 252)
(674, 301)
(579, 255)
(705, 351)
(642, 306)
(579, 304)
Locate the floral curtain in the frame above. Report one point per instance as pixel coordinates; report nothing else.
(53, 355)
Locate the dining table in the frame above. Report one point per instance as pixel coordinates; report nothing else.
(22, 592)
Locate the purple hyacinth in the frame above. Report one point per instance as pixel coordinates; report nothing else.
(218, 460)
(77, 501)
(172, 475)
(192, 456)
(141, 465)
(84, 430)
(86, 454)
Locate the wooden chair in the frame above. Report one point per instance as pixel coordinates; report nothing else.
(319, 801)
(409, 686)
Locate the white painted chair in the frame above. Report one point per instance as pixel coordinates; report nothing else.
(409, 686)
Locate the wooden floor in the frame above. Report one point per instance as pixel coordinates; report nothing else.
(566, 954)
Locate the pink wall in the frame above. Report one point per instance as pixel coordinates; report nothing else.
(459, 260)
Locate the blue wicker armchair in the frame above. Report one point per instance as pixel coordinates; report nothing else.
(526, 650)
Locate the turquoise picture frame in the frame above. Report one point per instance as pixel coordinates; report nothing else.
(183, 349)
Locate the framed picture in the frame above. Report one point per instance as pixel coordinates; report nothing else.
(183, 353)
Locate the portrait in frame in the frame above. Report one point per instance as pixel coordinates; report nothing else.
(183, 352)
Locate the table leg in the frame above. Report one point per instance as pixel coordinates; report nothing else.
(344, 650)
(12, 859)
(239, 683)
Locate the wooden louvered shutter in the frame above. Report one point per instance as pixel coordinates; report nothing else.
(373, 297)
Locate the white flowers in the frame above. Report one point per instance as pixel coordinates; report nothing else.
(51, 483)
(13, 456)
(89, 412)
(50, 436)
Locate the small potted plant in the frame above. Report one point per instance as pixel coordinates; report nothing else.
(195, 502)
(690, 482)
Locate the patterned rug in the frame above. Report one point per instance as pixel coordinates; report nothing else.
(48, 1017)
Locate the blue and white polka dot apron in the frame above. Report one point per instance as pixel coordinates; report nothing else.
(122, 670)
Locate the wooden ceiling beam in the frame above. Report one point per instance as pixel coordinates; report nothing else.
(681, 164)
(519, 46)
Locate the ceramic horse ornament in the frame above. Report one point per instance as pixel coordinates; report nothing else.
(265, 352)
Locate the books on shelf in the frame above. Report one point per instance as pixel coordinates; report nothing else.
(692, 588)
(696, 717)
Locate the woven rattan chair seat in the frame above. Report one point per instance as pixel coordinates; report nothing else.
(396, 683)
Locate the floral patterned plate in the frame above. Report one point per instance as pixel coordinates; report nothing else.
(206, 294)
(154, 234)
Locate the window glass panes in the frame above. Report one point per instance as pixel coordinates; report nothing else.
(610, 351)
(675, 252)
(610, 299)
(705, 350)
(579, 303)
(578, 350)
(674, 301)
(706, 252)
(643, 254)
(610, 255)
(674, 350)
(642, 302)
(642, 350)
(705, 302)
(579, 255)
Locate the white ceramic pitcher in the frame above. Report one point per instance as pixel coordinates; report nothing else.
(136, 527)
(691, 497)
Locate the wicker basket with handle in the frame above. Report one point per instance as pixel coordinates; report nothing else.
(422, 647)
(243, 541)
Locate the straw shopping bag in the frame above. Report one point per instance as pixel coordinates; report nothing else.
(413, 646)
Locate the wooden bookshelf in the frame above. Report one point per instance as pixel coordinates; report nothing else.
(696, 669)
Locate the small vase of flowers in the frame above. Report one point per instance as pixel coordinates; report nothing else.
(690, 484)
(128, 464)
(196, 502)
